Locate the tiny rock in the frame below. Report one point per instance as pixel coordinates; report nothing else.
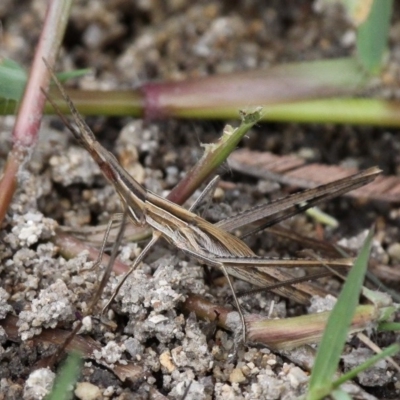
(87, 391)
(236, 376)
(394, 251)
(166, 362)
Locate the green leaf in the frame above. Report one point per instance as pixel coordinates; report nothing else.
(372, 36)
(372, 20)
(12, 80)
(335, 334)
(77, 73)
(66, 378)
(389, 326)
(340, 395)
(388, 352)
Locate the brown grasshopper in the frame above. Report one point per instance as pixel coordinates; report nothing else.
(211, 244)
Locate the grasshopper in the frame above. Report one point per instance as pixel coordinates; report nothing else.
(211, 244)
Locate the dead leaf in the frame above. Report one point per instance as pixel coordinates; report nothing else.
(294, 171)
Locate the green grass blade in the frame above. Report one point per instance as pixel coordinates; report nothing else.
(322, 217)
(13, 79)
(340, 395)
(372, 36)
(389, 326)
(77, 73)
(388, 352)
(335, 333)
(66, 378)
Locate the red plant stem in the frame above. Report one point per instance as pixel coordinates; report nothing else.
(343, 110)
(278, 90)
(283, 83)
(25, 133)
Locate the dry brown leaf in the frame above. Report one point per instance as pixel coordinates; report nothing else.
(294, 171)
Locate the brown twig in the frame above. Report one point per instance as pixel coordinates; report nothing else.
(278, 334)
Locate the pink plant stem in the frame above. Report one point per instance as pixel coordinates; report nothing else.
(26, 129)
(219, 94)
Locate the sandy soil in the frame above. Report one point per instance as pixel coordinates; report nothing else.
(127, 43)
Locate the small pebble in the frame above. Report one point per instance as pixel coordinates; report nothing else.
(166, 361)
(236, 376)
(87, 391)
(219, 194)
(394, 251)
(109, 391)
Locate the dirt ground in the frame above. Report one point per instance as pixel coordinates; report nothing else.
(127, 43)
